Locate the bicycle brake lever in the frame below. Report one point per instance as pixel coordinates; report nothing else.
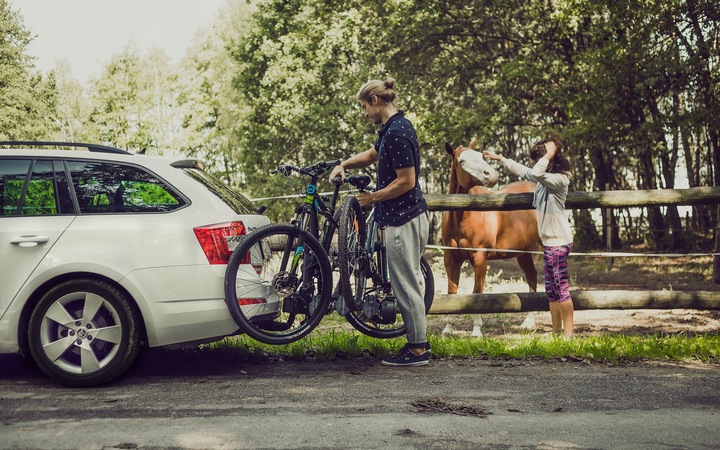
(283, 169)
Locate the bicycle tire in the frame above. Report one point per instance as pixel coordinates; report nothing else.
(372, 328)
(266, 302)
(350, 241)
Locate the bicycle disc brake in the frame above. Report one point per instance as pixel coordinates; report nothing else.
(283, 283)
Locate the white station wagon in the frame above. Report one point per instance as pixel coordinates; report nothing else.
(104, 251)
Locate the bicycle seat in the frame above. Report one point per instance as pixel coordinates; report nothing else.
(359, 181)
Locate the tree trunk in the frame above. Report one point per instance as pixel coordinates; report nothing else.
(716, 260)
(655, 217)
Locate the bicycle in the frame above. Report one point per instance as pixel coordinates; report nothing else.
(366, 288)
(279, 278)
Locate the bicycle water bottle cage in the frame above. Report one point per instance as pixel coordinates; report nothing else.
(359, 181)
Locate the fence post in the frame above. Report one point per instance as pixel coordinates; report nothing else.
(716, 258)
(609, 232)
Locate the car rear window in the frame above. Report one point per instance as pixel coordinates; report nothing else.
(236, 201)
(103, 187)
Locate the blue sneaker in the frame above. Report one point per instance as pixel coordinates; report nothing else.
(406, 358)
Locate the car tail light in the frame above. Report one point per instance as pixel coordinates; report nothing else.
(214, 241)
(251, 301)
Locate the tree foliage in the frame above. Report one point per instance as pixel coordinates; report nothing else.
(133, 102)
(27, 99)
(622, 81)
(633, 86)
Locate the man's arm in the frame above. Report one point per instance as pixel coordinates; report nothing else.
(404, 182)
(360, 160)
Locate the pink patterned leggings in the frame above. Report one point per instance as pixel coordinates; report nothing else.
(556, 273)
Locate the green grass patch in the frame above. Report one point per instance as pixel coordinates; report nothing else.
(614, 349)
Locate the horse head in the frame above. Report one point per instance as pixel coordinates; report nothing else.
(469, 168)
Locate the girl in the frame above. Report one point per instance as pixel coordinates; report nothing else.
(551, 171)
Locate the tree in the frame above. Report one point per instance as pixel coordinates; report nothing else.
(27, 100)
(133, 102)
(301, 63)
(73, 110)
(211, 109)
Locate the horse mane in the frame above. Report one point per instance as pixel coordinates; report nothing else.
(455, 187)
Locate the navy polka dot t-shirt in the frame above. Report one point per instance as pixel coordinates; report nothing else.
(398, 147)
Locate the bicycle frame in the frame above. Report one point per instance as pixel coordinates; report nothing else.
(375, 242)
(306, 218)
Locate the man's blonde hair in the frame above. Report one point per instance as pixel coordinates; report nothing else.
(383, 90)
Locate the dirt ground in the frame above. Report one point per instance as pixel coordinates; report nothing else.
(592, 273)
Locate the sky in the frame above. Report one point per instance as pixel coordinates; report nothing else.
(87, 33)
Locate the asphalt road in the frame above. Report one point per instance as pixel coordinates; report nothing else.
(451, 404)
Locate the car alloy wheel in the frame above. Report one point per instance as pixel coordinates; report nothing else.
(84, 332)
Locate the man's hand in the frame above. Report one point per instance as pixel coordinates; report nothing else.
(365, 199)
(338, 171)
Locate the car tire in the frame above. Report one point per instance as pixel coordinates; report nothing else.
(84, 332)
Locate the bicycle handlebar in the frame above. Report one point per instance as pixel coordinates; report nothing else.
(313, 171)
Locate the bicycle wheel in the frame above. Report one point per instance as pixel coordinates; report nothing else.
(372, 325)
(351, 260)
(268, 299)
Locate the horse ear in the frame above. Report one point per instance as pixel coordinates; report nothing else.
(473, 142)
(449, 149)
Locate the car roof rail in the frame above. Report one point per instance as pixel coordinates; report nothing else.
(90, 147)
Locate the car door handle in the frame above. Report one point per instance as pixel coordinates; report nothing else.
(29, 241)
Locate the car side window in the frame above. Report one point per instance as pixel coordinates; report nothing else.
(103, 187)
(40, 197)
(33, 195)
(13, 174)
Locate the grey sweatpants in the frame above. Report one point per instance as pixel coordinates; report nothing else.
(405, 245)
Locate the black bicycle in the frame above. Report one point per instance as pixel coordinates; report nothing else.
(279, 279)
(369, 303)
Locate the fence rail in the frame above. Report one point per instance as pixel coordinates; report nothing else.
(582, 300)
(577, 200)
(534, 301)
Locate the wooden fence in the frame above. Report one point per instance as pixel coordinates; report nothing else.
(537, 301)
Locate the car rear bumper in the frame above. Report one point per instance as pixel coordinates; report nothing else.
(183, 304)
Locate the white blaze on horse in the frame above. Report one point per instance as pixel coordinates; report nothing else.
(501, 230)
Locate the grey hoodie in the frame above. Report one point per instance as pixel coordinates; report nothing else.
(549, 200)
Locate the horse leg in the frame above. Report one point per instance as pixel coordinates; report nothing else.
(452, 267)
(480, 266)
(527, 264)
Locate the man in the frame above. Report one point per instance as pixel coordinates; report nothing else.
(401, 209)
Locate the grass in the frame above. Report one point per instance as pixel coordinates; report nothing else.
(336, 340)
(612, 349)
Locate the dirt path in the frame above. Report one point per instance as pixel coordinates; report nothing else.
(590, 273)
(180, 401)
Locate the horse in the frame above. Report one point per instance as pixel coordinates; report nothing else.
(511, 230)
